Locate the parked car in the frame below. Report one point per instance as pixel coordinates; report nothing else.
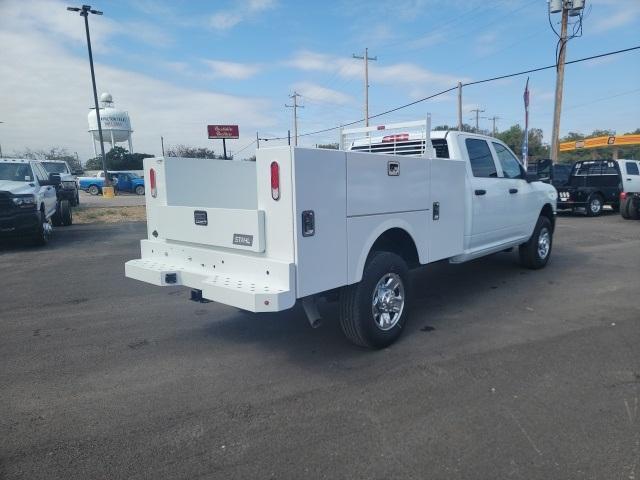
(68, 189)
(592, 184)
(122, 181)
(555, 174)
(630, 196)
(302, 223)
(28, 200)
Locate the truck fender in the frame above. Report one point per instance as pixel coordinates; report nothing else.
(356, 270)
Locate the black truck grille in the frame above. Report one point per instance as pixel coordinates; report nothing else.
(6, 203)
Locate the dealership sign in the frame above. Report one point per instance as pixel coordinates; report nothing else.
(223, 131)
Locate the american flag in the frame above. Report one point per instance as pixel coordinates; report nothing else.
(525, 140)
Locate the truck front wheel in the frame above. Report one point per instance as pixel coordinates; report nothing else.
(536, 252)
(374, 311)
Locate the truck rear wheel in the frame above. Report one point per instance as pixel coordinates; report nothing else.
(94, 190)
(624, 207)
(140, 190)
(536, 252)
(374, 311)
(594, 205)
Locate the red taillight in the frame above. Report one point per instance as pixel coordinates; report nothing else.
(401, 137)
(275, 181)
(623, 195)
(152, 182)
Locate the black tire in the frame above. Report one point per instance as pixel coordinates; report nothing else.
(56, 218)
(66, 213)
(41, 238)
(357, 302)
(93, 190)
(633, 210)
(531, 255)
(594, 205)
(140, 190)
(625, 204)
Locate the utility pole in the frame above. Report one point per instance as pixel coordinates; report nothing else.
(162, 144)
(85, 10)
(1, 147)
(493, 119)
(555, 133)
(295, 107)
(459, 106)
(257, 140)
(366, 59)
(573, 8)
(478, 112)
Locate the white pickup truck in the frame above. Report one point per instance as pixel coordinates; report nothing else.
(300, 223)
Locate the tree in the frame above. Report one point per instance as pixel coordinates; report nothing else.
(513, 138)
(119, 158)
(53, 153)
(186, 151)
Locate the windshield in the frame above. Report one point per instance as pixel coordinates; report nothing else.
(55, 167)
(16, 172)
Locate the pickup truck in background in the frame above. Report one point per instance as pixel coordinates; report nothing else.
(302, 223)
(28, 200)
(123, 181)
(68, 189)
(592, 184)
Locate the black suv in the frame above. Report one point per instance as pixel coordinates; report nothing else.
(591, 185)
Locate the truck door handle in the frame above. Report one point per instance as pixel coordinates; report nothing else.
(513, 190)
(480, 192)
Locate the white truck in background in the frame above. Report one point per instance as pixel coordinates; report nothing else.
(300, 223)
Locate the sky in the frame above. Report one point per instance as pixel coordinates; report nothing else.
(179, 65)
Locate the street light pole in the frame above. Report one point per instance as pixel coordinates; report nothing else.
(84, 12)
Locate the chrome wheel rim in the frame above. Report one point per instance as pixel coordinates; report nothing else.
(595, 205)
(388, 301)
(544, 243)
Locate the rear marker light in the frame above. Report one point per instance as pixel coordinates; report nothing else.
(275, 181)
(152, 181)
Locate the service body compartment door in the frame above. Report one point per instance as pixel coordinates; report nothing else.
(378, 183)
(320, 195)
(447, 219)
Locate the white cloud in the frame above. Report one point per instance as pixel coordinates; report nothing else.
(399, 73)
(318, 93)
(227, 19)
(45, 93)
(615, 15)
(236, 71)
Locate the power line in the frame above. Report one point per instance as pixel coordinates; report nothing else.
(467, 84)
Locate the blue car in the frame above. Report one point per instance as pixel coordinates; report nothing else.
(122, 181)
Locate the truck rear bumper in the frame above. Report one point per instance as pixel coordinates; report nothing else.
(256, 284)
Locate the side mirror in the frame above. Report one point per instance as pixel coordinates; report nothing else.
(531, 177)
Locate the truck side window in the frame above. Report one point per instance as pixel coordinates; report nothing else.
(632, 168)
(510, 165)
(39, 172)
(480, 157)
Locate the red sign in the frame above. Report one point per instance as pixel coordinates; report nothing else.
(223, 131)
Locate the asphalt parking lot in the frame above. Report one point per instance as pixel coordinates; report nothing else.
(502, 372)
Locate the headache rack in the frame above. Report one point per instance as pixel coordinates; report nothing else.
(407, 138)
